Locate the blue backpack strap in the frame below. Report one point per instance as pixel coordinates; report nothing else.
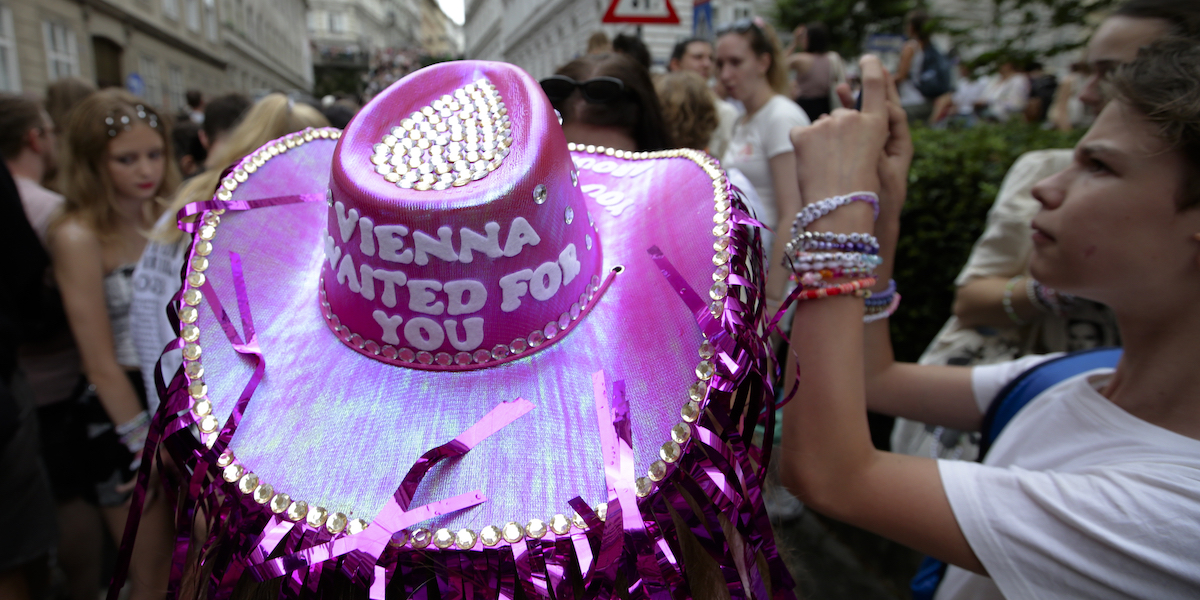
(1035, 380)
(1011, 399)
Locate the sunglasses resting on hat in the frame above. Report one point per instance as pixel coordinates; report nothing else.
(597, 90)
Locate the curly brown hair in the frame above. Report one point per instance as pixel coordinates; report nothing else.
(688, 109)
(1163, 84)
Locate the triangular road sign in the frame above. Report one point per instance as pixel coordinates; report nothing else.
(641, 11)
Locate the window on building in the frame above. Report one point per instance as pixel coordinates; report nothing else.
(62, 51)
(337, 22)
(10, 76)
(170, 8)
(175, 88)
(191, 10)
(148, 70)
(210, 20)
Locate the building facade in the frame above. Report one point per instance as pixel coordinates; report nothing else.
(539, 35)
(266, 45)
(157, 49)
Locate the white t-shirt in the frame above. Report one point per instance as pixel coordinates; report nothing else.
(1007, 97)
(155, 280)
(759, 138)
(39, 203)
(1076, 499)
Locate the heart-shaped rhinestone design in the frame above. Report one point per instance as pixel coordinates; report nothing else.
(456, 139)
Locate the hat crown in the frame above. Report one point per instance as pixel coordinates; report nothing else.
(457, 235)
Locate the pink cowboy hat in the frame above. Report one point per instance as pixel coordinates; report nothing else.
(447, 345)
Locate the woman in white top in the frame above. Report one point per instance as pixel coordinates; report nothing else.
(750, 67)
(1093, 488)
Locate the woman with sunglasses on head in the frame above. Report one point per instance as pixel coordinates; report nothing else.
(750, 66)
(608, 100)
(1092, 488)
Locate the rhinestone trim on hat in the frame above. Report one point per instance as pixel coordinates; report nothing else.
(456, 139)
(245, 482)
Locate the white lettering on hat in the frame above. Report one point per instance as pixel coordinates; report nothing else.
(424, 333)
(333, 252)
(614, 201)
(391, 242)
(546, 281)
(473, 241)
(346, 276)
(569, 263)
(520, 233)
(368, 281)
(422, 300)
(513, 286)
(390, 280)
(389, 325)
(365, 229)
(475, 292)
(612, 168)
(474, 329)
(442, 248)
(346, 222)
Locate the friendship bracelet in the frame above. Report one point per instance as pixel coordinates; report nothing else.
(1046, 298)
(882, 298)
(1008, 303)
(856, 287)
(820, 208)
(885, 312)
(132, 433)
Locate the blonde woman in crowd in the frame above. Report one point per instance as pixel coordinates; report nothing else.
(750, 66)
(157, 273)
(116, 168)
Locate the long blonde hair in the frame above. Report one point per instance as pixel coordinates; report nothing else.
(270, 118)
(83, 172)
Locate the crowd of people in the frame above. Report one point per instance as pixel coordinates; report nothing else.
(1094, 489)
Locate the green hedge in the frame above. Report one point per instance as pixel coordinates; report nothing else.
(955, 176)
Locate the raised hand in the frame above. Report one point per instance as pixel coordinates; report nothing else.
(842, 152)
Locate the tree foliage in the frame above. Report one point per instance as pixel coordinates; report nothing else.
(1009, 31)
(849, 21)
(1014, 26)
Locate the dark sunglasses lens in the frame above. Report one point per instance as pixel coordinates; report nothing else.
(601, 90)
(557, 89)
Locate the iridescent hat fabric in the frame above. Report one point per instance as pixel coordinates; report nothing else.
(446, 345)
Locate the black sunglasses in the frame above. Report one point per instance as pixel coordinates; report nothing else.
(741, 26)
(597, 90)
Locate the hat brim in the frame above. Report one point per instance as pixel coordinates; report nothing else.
(338, 430)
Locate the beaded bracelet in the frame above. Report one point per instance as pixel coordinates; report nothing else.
(810, 278)
(879, 314)
(856, 287)
(815, 261)
(826, 240)
(1008, 303)
(820, 208)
